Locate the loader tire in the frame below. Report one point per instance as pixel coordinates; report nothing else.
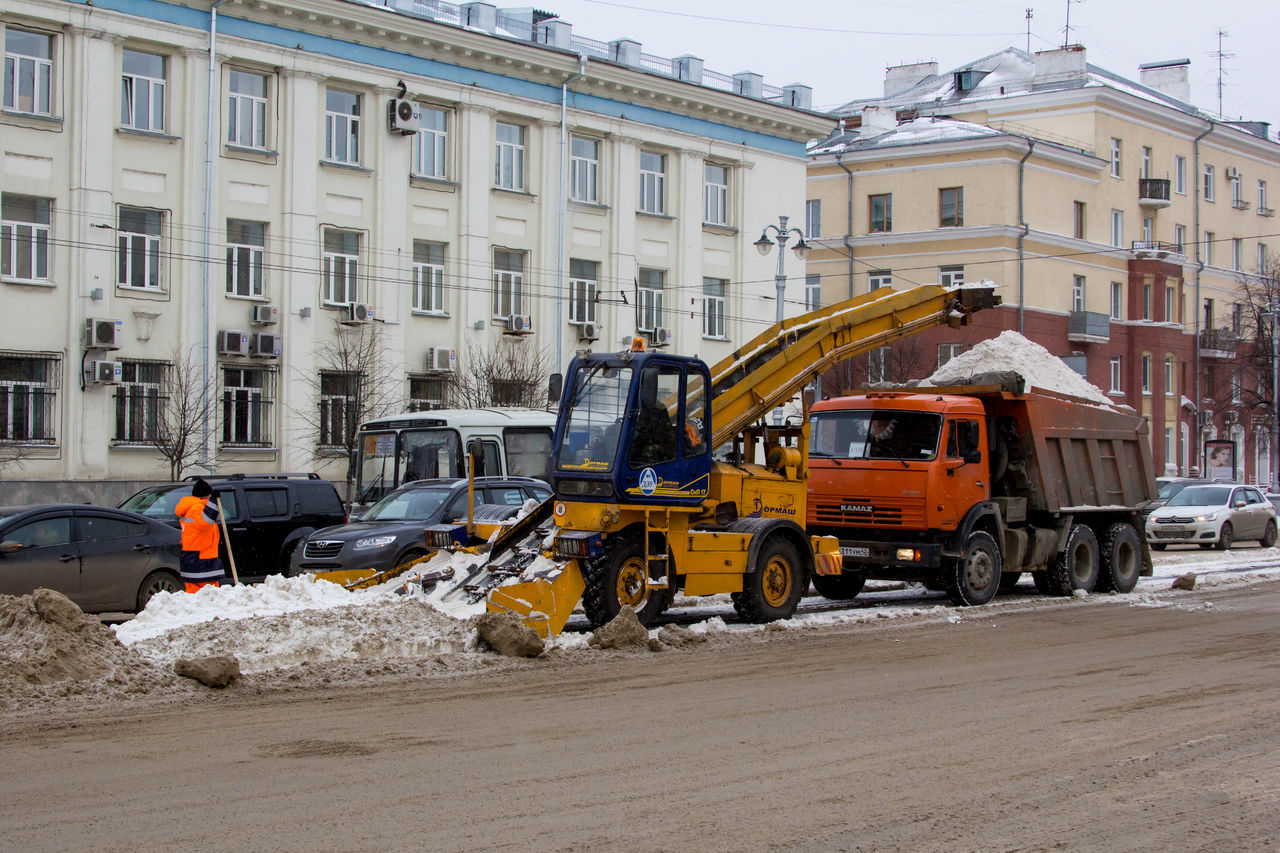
(1121, 559)
(617, 577)
(974, 579)
(841, 587)
(1077, 566)
(772, 589)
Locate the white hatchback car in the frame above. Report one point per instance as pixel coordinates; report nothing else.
(1212, 515)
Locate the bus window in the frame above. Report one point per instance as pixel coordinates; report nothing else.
(528, 451)
(377, 465)
(426, 454)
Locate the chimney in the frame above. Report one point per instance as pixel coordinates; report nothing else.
(749, 83)
(688, 68)
(877, 121)
(1170, 77)
(555, 33)
(900, 78)
(625, 52)
(1063, 65)
(798, 95)
(480, 16)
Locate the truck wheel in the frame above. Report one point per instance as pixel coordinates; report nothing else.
(1008, 580)
(1225, 537)
(1268, 539)
(1077, 566)
(975, 577)
(617, 577)
(773, 588)
(841, 587)
(1121, 559)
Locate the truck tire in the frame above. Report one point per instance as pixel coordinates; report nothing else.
(772, 589)
(1077, 566)
(841, 587)
(974, 579)
(617, 577)
(1121, 559)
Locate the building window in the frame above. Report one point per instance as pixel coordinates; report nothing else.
(28, 71)
(716, 195)
(877, 279)
(28, 390)
(1115, 157)
(878, 362)
(342, 127)
(1262, 197)
(1237, 254)
(1168, 305)
(247, 109)
(1077, 293)
(142, 91)
(1262, 259)
(881, 212)
(247, 394)
(1237, 319)
(1209, 240)
(813, 218)
(24, 237)
(427, 393)
(1146, 374)
(508, 157)
(1237, 388)
(1180, 175)
(1208, 182)
(1078, 221)
(1237, 191)
(428, 277)
(1146, 302)
(140, 397)
(340, 267)
(812, 292)
(246, 245)
(1115, 374)
(1117, 300)
(649, 299)
(584, 169)
(1168, 374)
(1117, 228)
(946, 352)
(1208, 314)
(508, 283)
(713, 292)
(584, 280)
(138, 234)
(653, 178)
(1148, 229)
(951, 276)
(431, 143)
(339, 407)
(1180, 238)
(951, 204)
(1146, 162)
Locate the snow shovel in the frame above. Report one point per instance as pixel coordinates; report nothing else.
(226, 537)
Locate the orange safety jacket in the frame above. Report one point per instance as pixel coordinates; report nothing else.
(198, 518)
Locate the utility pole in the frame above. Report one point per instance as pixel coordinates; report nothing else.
(1029, 11)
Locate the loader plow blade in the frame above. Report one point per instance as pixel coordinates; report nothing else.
(544, 600)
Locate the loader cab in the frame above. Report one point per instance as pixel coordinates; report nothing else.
(634, 428)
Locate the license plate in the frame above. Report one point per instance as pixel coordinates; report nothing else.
(854, 552)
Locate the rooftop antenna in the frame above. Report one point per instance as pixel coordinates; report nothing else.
(1221, 55)
(1029, 11)
(1066, 33)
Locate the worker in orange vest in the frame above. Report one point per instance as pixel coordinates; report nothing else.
(198, 516)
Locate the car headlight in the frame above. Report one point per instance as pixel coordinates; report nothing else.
(373, 542)
(1208, 516)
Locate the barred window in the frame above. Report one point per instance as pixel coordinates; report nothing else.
(140, 401)
(428, 392)
(339, 407)
(247, 395)
(28, 391)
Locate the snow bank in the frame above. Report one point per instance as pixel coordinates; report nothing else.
(1011, 351)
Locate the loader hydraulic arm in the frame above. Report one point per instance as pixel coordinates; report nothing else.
(776, 364)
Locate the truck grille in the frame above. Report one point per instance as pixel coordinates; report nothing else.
(852, 511)
(322, 550)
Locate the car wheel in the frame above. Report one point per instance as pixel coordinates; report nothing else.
(154, 583)
(1268, 539)
(1224, 537)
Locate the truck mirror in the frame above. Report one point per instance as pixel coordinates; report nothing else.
(973, 456)
(555, 386)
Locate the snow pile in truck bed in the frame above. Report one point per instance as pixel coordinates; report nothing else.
(1011, 351)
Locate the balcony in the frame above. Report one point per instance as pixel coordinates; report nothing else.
(1218, 343)
(1153, 192)
(1266, 211)
(1156, 248)
(1240, 204)
(1089, 327)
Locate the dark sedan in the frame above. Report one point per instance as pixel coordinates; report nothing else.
(105, 560)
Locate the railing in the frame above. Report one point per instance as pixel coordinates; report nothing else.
(1158, 246)
(1153, 191)
(1266, 211)
(1088, 326)
(1239, 204)
(1218, 340)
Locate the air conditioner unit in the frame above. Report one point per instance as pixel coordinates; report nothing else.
(265, 345)
(102, 373)
(402, 117)
(355, 313)
(519, 324)
(233, 342)
(440, 359)
(588, 332)
(661, 336)
(102, 333)
(265, 315)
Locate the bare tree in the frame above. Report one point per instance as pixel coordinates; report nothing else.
(507, 372)
(1249, 389)
(12, 453)
(174, 420)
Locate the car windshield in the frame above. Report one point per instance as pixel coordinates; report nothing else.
(874, 434)
(409, 505)
(157, 503)
(1170, 487)
(1201, 496)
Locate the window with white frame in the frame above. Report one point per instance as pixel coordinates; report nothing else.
(1115, 373)
(1180, 175)
(247, 109)
(1262, 259)
(508, 157)
(1208, 182)
(1262, 197)
(341, 127)
(1146, 162)
(340, 267)
(877, 279)
(1077, 293)
(813, 218)
(1237, 319)
(812, 292)
(1209, 239)
(138, 234)
(1237, 191)
(28, 71)
(584, 169)
(1117, 300)
(427, 393)
(140, 401)
(1168, 305)
(713, 293)
(946, 352)
(1237, 254)
(1168, 374)
(428, 277)
(716, 195)
(24, 237)
(1117, 228)
(1115, 157)
(246, 248)
(247, 395)
(951, 207)
(649, 287)
(952, 276)
(431, 143)
(508, 283)
(881, 212)
(653, 182)
(339, 407)
(1078, 220)
(1180, 237)
(1237, 387)
(1148, 229)
(1146, 374)
(1168, 445)
(879, 361)
(1146, 301)
(142, 91)
(584, 280)
(28, 391)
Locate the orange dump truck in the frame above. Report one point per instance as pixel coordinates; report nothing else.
(964, 488)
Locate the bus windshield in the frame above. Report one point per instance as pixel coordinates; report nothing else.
(590, 441)
(416, 454)
(874, 434)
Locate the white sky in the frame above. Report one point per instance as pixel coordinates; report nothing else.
(841, 48)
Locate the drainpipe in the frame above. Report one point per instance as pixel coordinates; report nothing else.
(848, 228)
(1022, 238)
(1198, 432)
(206, 296)
(564, 205)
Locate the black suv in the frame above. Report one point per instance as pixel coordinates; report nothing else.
(394, 530)
(267, 515)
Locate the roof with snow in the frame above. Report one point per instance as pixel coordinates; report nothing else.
(918, 131)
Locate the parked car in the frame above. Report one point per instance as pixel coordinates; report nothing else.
(393, 531)
(103, 559)
(267, 515)
(1209, 515)
(1167, 487)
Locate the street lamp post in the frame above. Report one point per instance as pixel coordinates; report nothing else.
(782, 235)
